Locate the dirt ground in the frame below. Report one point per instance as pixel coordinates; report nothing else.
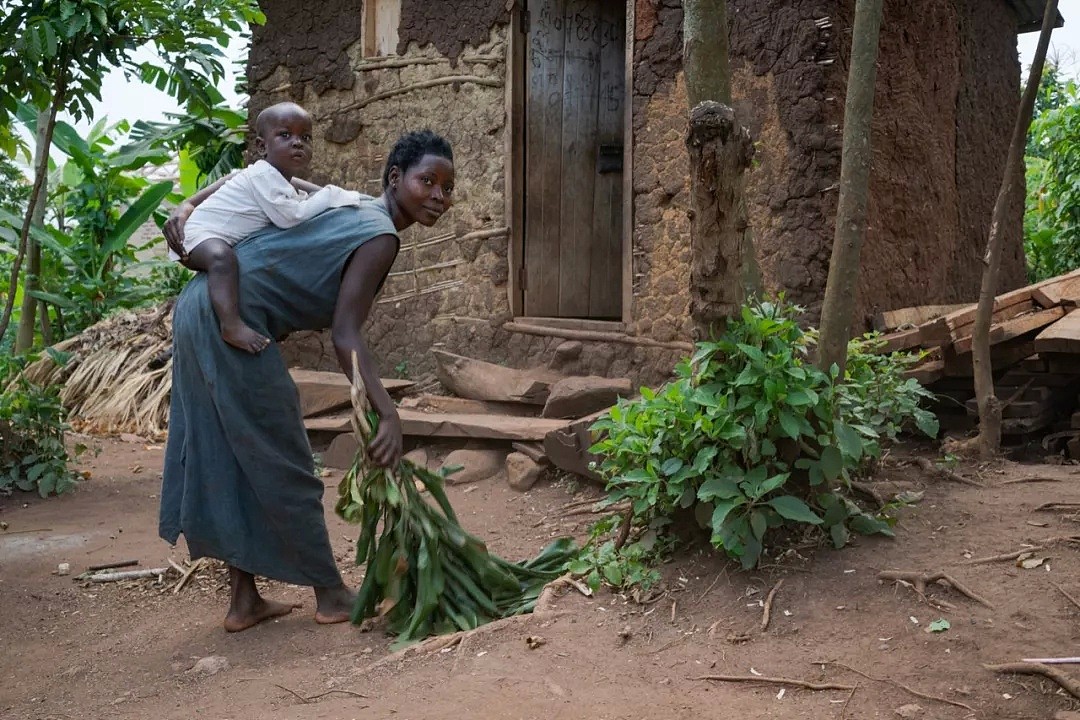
(126, 650)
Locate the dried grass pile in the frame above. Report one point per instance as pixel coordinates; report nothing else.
(111, 382)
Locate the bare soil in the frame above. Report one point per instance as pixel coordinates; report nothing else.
(125, 650)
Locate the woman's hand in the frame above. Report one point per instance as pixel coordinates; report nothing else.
(385, 448)
(174, 228)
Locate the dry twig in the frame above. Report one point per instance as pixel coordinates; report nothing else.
(775, 681)
(900, 685)
(945, 473)
(1049, 507)
(1015, 555)
(1067, 683)
(843, 710)
(1017, 481)
(919, 581)
(313, 698)
(766, 614)
(1065, 592)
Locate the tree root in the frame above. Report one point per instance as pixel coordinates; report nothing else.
(624, 530)
(442, 642)
(775, 681)
(545, 604)
(900, 685)
(870, 491)
(919, 581)
(944, 473)
(1067, 683)
(1004, 557)
(766, 614)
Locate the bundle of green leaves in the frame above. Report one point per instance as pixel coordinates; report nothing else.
(753, 438)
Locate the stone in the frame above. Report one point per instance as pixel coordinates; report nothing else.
(522, 471)
(341, 452)
(208, 666)
(576, 397)
(476, 465)
(908, 712)
(63, 569)
(418, 457)
(566, 353)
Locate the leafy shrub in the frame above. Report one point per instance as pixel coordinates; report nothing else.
(753, 438)
(32, 426)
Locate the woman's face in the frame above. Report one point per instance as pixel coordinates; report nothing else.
(425, 191)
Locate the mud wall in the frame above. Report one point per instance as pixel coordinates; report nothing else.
(946, 94)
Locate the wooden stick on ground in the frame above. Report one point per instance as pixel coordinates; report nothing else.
(186, 575)
(945, 473)
(127, 575)
(1050, 507)
(1069, 597)
(775, 681)
(843, 710)
(900, 685)
(920, 580)
(1017, 553)
(766, 614)
(112, 565)
(1067, 683)
(1017, 481)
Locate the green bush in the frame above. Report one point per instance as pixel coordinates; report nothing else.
(32, 426)
(754, 439)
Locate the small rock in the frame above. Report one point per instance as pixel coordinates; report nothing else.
(522, 472)
(909, 711)
(535, 641)
(565, 354)
(63, 569)
(576, 397)
(418, 457)
(341, 452)
(130, 438)
(208, 666)
(476, 465)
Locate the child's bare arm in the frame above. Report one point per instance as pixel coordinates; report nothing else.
(173, 230)
(306, 186)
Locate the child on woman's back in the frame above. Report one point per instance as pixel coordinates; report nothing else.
(202, 234)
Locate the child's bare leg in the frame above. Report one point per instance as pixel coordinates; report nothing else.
(218, 261)
(333, 604)
(247, 608)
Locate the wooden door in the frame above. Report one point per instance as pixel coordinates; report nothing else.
(574, 110)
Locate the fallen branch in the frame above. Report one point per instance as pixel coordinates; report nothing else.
(545, 604)
(775, 681)
(1017, 481)
(1054, 661)
(945, 473)
(112, 565)
(1015, 555)
(624, 530)
(1065, 592)
(900, 685)
(126, 575)
(920, 580)
(870, 491)
(1050, 507)
(766, 614)
(186, 575)
(1067, 683)
(313, 698)
(843, 710)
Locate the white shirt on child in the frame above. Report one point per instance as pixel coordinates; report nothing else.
(255, 198)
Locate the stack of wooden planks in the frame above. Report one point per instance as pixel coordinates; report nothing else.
(1035, 354)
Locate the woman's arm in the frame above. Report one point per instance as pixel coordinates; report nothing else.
(173, 230)
(368, 266)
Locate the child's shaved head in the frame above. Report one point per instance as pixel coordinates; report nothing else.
(275, 112)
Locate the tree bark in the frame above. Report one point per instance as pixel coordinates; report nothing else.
(24, 340)
(1012, 185)
(41, 171)
(840, 288)
(723, 268)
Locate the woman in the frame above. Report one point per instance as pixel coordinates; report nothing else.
(239, 479)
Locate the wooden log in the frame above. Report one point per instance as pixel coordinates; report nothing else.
(1003, 356)
(928, 372)
(568, 447)
(891, 320)
(452, 404)
(901, 340)
(1015, 327)
(533, 451)
(416, 423)
(325, 392)
(1046, 288)
(479, 380)
(1061, 337)
(999, 317)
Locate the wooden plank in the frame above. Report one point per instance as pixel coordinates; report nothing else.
(479, 380)
(927, 373)
(1002, 357)
(891, 320)
(1014, 328)
(416, 423)
(956, 320)
(901, 340)
(605, 277)
(451, 404)
(534, 451)
(323, 392)
(1056, 291)
(574, 324)
(999, 317)
(580, 99)
(568, 447)
(1016, 426)
(543, 155)
(628, 169)
(1061, 337)
(514, 164)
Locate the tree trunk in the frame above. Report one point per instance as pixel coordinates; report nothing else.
(1012, 185)
(723, 268)
(41, 171)
(840, 288)
(24, 340)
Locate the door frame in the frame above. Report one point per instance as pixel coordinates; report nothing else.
(514, 171)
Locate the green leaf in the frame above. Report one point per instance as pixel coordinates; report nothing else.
(850, 442)
(792, 508)
(938, 626)
(718, 487)
(671, 466)
(868, 525)
(839, 535)
(134, 217)
(758, 523)
(832, 462)
(927, 423)
(721, 512)
(613, 574)
(773, 483)
(790, 425)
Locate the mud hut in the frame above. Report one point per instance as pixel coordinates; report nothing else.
(567, 118)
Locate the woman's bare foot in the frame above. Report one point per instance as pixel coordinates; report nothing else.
(243, 618)
(334, 605)
(240, 336)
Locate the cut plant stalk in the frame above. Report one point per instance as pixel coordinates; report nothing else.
(424, 572)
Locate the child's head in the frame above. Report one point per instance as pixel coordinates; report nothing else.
(283, 138)
(419, 176)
